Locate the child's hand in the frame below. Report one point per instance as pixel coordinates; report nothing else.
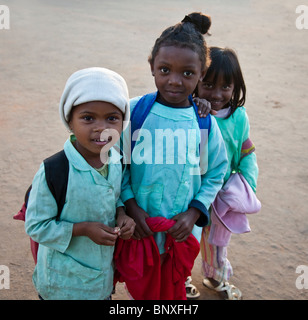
(185, 222)
(142, 229)
(98, 232)
(204, 107)
(126, 225)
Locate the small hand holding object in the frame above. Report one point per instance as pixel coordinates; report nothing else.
(125, 225)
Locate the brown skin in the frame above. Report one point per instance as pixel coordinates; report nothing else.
(204, 107)
(105, 235)
(176, 72)
(88, 121)
(97, 125)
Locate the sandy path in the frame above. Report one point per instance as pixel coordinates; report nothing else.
(47, 42)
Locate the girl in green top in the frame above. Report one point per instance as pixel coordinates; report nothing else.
(224, 87)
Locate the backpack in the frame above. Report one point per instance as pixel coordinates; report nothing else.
(144, 106)
(57, 167)
(56, 173)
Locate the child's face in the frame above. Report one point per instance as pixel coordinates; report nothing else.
(177, 72)
(89, 123)
(218, 94)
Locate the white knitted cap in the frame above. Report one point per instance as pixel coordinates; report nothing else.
(94, 84)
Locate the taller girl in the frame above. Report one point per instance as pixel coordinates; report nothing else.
(160, 182)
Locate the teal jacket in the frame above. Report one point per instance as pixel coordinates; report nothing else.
(168, 174)
(73, 267)
(235, 131)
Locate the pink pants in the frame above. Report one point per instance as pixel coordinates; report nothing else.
(214, 259)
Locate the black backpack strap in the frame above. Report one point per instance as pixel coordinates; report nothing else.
(56, 173)
(27, 194)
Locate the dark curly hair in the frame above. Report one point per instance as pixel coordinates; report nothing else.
(186, 34)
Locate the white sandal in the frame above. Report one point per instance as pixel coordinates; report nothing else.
(191, 291)
(232, 291)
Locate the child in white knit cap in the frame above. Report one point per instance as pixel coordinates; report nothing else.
(76, 250)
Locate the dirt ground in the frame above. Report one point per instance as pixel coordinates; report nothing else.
(49, 40)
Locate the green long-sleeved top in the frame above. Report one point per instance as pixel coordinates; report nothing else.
(235, 131)
(167, 178)
(69, 267)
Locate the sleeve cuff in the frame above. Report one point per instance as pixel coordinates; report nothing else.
(204, 217)
(119, 203)
(126, 195)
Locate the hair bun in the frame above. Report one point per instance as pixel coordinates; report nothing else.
(201, 21)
